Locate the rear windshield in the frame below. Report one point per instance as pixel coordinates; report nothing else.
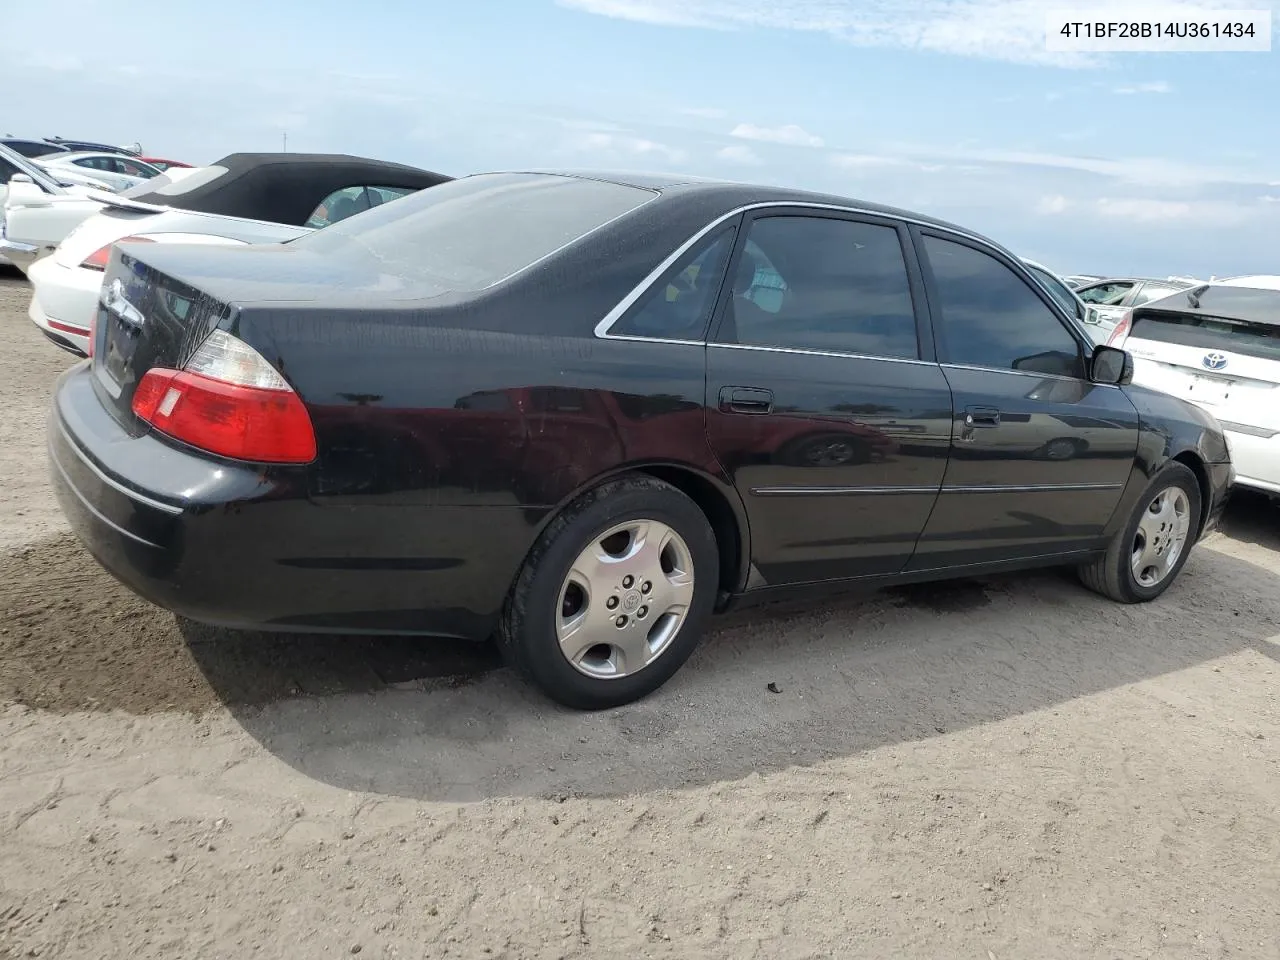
(474, 232)
(1247, 338)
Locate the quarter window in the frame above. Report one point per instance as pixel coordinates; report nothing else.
(679, 308)
(992, 318)
(826, 284)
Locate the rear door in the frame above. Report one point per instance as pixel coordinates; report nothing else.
(1039, 454)
(821, 403)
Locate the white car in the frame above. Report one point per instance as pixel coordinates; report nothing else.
(242, 199)
(1218, 345)
(20, 174)
(1113, 297)
(116, 171)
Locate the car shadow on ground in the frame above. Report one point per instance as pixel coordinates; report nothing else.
(769, 687)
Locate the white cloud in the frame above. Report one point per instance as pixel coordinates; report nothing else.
(1009, 30)
(1052, 205)
(870, 162)
(55, 62)
(740, 154)
(1148, 171)
(644, 11)
(1152, 211)
(789, 134)
(1268, 198)
(592, 125)
(706, 113)
(1155, 86)
(617, 145)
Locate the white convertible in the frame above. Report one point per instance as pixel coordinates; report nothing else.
(242, 199)
(1218, 345)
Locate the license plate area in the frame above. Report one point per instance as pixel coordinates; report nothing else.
(120, 345)
(1209, 390)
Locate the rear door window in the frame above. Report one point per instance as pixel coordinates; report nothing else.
(826, 284)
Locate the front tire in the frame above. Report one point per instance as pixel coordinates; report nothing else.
(1149, 552)
(614, 596)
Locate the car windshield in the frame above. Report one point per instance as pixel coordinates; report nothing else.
(1058, 289)
(474, 232)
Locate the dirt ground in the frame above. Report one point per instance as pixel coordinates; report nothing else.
(1011, 768)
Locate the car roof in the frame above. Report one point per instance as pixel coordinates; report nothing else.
(1258, 281)
(749, 193)
(80, 154)
(276, 187)
(1223, 301)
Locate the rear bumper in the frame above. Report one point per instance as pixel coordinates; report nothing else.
(21, 255)
(241, 546)
(63, 303)
(1256, 459)
(1221, 477)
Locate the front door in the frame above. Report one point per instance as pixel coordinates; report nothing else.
(1039, 454)
(821, 406)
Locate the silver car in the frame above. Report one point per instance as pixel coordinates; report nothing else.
(1110, 299)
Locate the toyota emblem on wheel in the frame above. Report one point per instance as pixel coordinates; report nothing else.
(1214, 360)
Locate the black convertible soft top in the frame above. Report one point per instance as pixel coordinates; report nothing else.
(276, 187)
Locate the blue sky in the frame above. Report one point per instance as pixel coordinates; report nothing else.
(1145, 163)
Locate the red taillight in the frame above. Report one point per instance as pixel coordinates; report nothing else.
(1122, 329)
(99, 258)
(233, 404)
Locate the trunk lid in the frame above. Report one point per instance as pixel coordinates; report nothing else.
(145, 318)
(1230, 367)
(159, 301)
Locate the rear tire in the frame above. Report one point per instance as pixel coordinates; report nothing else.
(614, 595)
(1140, 562)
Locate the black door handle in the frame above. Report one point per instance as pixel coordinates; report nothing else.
(981, 417)
(746, 400)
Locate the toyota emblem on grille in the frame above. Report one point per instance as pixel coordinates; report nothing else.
(1214, 360)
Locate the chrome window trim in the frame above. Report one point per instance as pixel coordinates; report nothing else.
(804, 351)
(643, 287)
(1026, 373)
(602, 328)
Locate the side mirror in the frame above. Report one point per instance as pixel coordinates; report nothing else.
(1111, 365)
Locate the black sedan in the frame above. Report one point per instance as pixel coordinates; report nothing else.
(583, 413)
